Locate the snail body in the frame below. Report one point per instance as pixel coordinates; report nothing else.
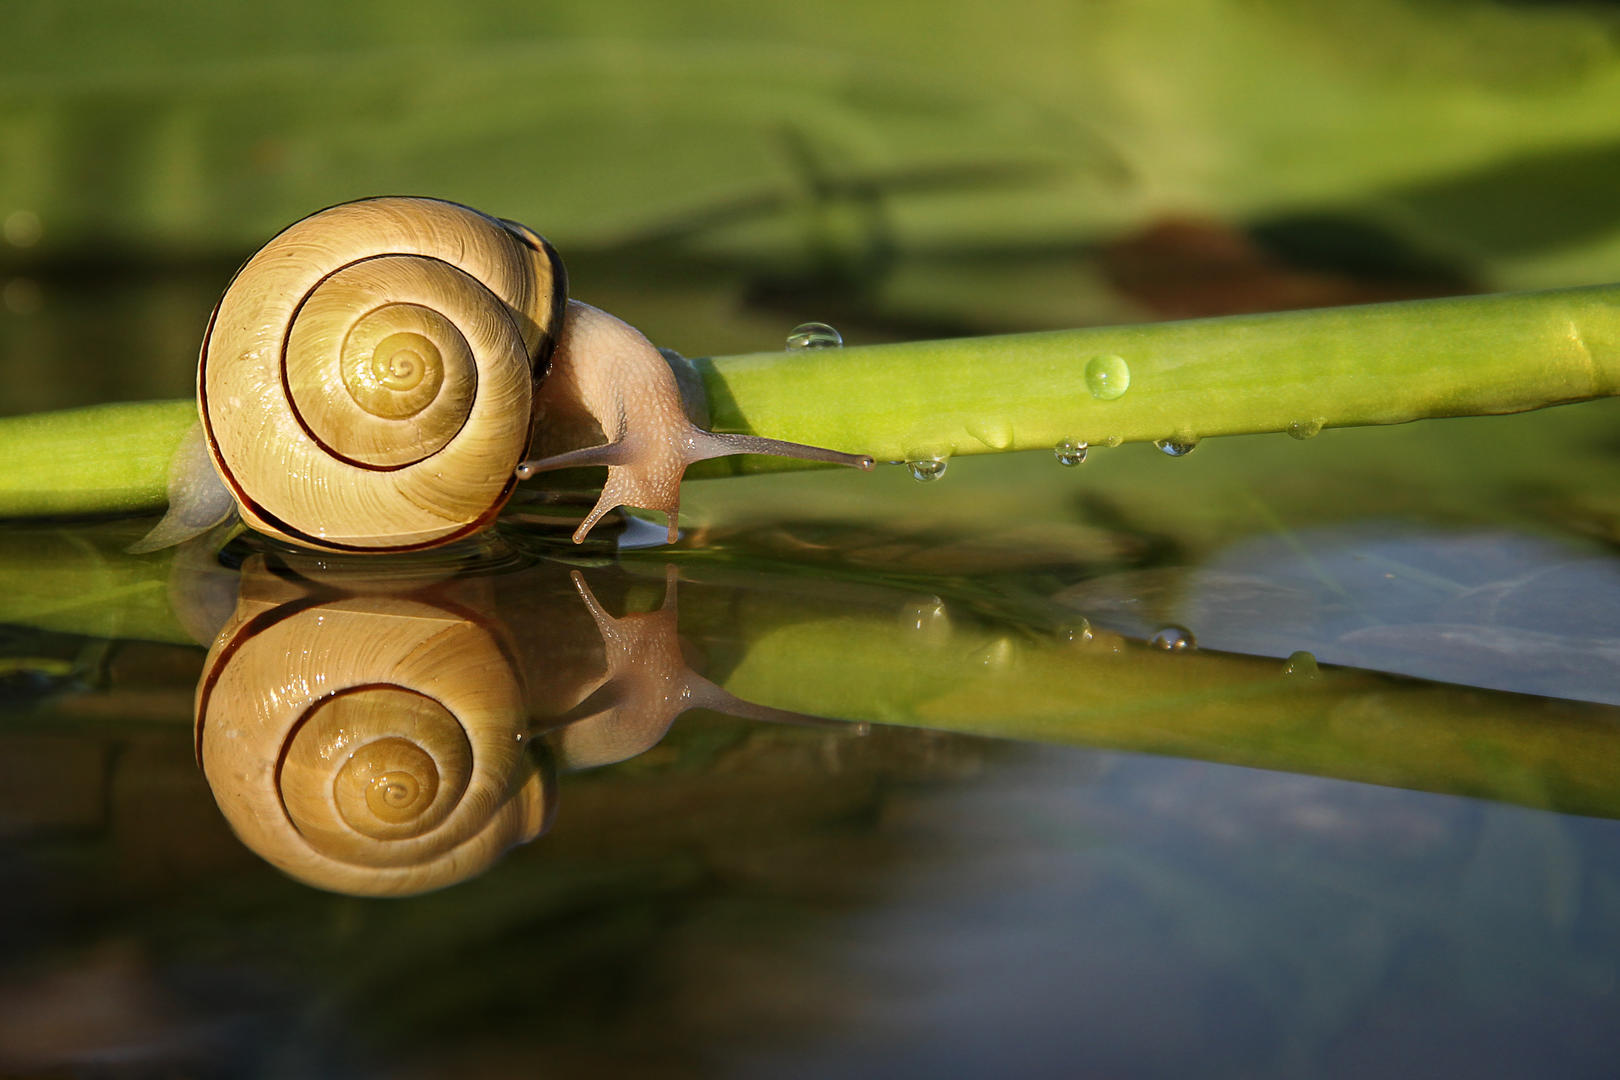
(607, 370)
(372, 378)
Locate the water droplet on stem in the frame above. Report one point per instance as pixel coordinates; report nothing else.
(926, 469)
(1177, 447)
(1107, 377)
(813, 335)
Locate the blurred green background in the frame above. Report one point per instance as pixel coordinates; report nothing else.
(719, 171)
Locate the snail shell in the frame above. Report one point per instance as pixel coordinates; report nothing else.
(373, 745)
(366, 382)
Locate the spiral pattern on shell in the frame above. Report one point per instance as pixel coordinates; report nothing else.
(366, 382)
(374, 745)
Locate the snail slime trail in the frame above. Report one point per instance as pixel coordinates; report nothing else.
(373, 378)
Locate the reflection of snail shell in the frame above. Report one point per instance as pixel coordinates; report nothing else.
(367, 381)
(369, 745)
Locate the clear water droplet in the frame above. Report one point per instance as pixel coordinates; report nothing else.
(813, 335)
(1177, 447)
(524, 471)
(1301, 665)
(1173, 638)
(1107, 377)
(924, 470)
(1114, 440)
(1070, 452)
(1305, 429)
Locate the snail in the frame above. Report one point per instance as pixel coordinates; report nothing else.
(374, 743)
(373, 378)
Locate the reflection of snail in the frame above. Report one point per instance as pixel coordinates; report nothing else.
(370, 732)
(647, 685)
(368, 383)
(369, 744)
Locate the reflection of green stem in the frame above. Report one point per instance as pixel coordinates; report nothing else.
(806, 652)
(1258, 712)
(1299, 371)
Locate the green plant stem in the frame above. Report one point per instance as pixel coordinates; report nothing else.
(1291, 371)
(1299, 370)
(105, 459)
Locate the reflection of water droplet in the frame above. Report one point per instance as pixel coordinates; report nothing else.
(922, 612)
(1305, 429)
(998, 654)
(1077, 632)
(1107, 377)
(1177, 447)
(926, 469)
(1301, 665)
(927, 619)
(1070, 452)
(1173, 639)
(813, 335)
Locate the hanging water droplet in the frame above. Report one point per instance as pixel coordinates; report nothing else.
(1301, 665)
(1114, 441)
(813, 335)
(1173, 638)
(524, 471)
(1305, 429)
(1070, 452)
(926, 469)
(1107, 377)
(1177, 447)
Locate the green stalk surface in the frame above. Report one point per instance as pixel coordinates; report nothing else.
(1295, 371)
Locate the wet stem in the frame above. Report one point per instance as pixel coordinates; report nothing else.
(1172, 383)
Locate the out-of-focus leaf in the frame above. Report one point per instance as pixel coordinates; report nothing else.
(782, 131)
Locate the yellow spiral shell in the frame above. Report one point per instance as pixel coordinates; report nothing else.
(374, 745)
(366, 382)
